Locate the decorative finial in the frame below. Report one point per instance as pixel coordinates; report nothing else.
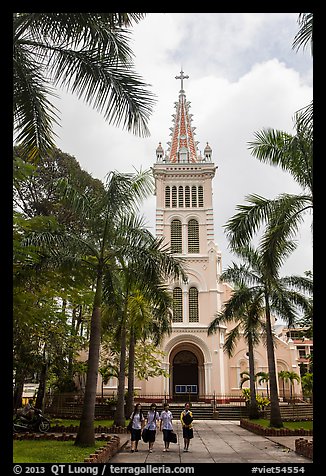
(182, 77)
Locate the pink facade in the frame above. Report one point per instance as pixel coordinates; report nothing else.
(195, 361)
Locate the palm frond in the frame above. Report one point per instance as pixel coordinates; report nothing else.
(230, 340)
(107, 84)
(89, 54)
(243, 225)
(34, 115)
(305, 33)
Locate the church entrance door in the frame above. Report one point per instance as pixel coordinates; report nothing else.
(185, 376)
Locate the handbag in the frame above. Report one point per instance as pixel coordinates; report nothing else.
(129, 426)
(187, 419)
(145, 432)
(145, 435)
(173, 437)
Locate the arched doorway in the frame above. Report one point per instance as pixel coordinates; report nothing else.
(199, 351)
(185, 382)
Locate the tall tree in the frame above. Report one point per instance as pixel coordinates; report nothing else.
(245, 309)
(86, 53)
(150, 319)
(281, 296)
(292, 377)
(146, 268)
(282, 376)
(107, 233)
(264, 377)
(282, 215)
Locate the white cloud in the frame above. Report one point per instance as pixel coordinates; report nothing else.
(244, 76)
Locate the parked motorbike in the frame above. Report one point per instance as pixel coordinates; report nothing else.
(37, 423)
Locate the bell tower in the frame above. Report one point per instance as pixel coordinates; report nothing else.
(185, 220)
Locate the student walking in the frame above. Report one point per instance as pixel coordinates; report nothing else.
(151, 425)
(186, 419)
(138, 421)
(166, 425)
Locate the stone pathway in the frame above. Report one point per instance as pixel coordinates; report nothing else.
(215, 441)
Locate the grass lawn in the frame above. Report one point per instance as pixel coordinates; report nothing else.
(293, 425)
(48, 451)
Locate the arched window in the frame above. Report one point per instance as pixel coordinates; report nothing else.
(177, 305)
(200, 196)
(193, 236)
(167, 196)
(176, 236)
(174, 196)
(193, 305)
(194, 196)
(180, 196)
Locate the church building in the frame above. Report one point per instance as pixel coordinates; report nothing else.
(196, 365)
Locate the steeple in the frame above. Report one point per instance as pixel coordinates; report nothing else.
(182, 147)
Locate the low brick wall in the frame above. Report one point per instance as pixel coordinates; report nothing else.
(259, 430)
(304, 447)
(97, 429)
(105, 453)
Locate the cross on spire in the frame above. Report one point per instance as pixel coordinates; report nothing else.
(182, 77)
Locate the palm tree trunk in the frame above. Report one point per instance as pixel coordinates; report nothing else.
(275, 415)
(119, 417)
(19, 387)
(85, 435)
(131, 373)
(253, 407)
(42, 384)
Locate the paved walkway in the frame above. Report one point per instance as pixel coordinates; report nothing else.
(215, 441)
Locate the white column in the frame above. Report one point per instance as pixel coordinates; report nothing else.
(221, 360)
(208, 373)
(185, 303)
(166, 380)
(184, 238)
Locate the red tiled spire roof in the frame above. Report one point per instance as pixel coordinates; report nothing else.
(183, 147)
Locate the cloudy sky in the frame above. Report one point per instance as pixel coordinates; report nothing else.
(243, 76)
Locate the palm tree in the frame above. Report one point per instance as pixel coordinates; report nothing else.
(145, 268)
(283, 376)
(294, 154)
(86, 53)
(263, 377)
(280, 296)
(307, 385)
(245, 377)
(107, 234)
(283, 215)
(245, 308)
(304, 35)
(150, 318)
(292, 376)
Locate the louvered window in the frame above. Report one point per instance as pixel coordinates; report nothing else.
(193, 236)
(180, 196)
(193, 305)
(200, 196)
(167, 196)
(174, 196)
(187, 195)
(176, 236)
(177, 305)
(194, 196)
